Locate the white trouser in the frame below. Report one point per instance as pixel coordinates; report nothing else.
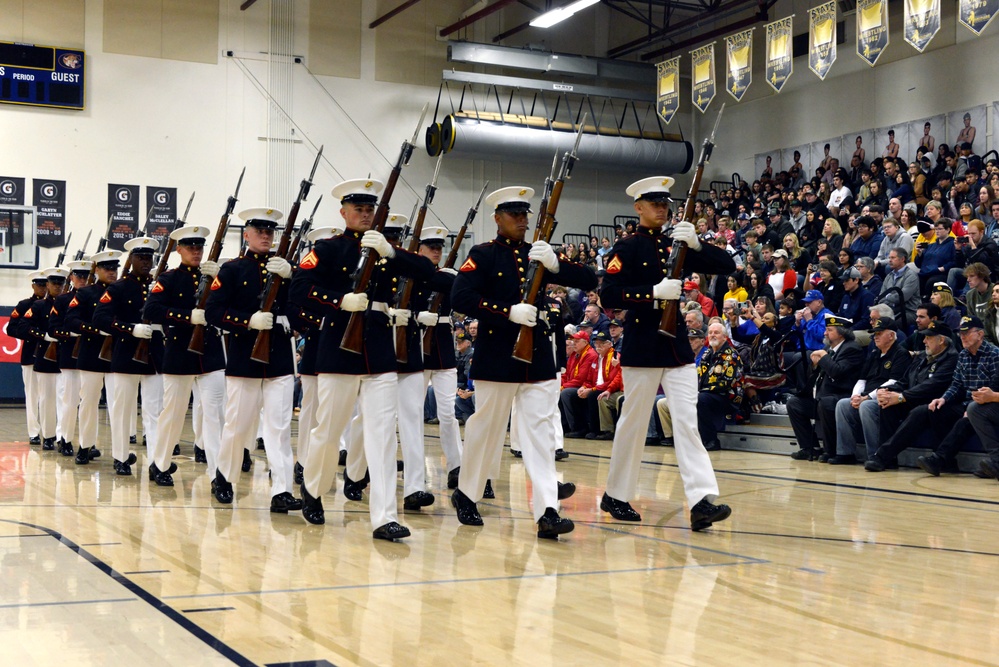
(176, 392)
(198, 419)
(48, 403)
(445, 384)
(486, 430)
(307, 415)
(30, 400)
(378, 397)
(553, 430)
(267, 401)
(132, 418)
(69, 403)
(680, 385)
(59, 398)
(412, 394)
(350, 435)
(124, 399)
(90, 399)
(352, 441)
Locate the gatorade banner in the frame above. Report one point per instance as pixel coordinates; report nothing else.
(779, 55)
(11, 222)
(872, 29)
(162, 212)
(922, 21)
(703, 76)
(50, 200)
(668, 94)
(739, 59)
(822, 38)
(123, 210)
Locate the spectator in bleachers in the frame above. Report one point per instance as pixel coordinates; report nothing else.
(720, 378)
(616, 330)
(943, 298)
(991, 317)
(830, 285)
(926, 314)
(580, 371)
(840, 192)
(811, 320)
(735, 290)
(907, 221)
(869, 280)
(757, 285)
(935, 259)
(979, 292)
(894, 208)
(607, 388)
(974, 247)
(782, 276)
(868, 238)
(894, 237)
(464, 401)
(833, 235)
(594, 316)
(900, 277)
(797, 256)
(877, 195)
(856, 302)
(845, 259)
(692, 290)
(739, 329)
(983, 210)
(917, 180)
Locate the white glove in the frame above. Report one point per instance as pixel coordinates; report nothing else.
(354, 303)
(543, 253)
(209, 268)
(198, 317)
(524, 313)
(142, 331)
(668, 289)
(684, 231)
(428, 319)
(376, 241)
(51, 339)
(262, 321)
(74, 334)
(448, 270)
(279, 266)
(399, 317)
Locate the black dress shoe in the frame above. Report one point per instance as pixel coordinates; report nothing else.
(342, 461)
(565, 490)
(604, 435)
(312, 508)
(221, 488)
(930, 464)
(551, 525)
(199, 455)
(703, 514)
(842, 459)
(805, 454)
(652, 440)
(452, 478)
(516, 453)
(124, 468)
(576, 434)
(176, 449)
(874, 464)
(66, 448)
(391, 531)
(987, 469)
(561, 454)
(95, 453)
(417, 500)
(247, 461)
(824, 457)
(619, 509)
(351, 489)
(48, 444)
(144, 441)
(299, 473)
(34, 440)
(468, 513)
(667, 441)
(488, 491)
(284, 502)
(260, 443)
(82, 457)
(162, 477)
(433, 420)
(712, 445)
(131, 440)
(400, 466)
(592, 435)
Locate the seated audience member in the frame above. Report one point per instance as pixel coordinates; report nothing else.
(735, 291)
(596, 319)
(607, 387)
(979, 291)
(692, 290)
(832, 233)
(580, 371)
(830, 285)
(782, 276)
(869, 280)
(937, 258)
(971, 248)
(894, 237)
(695, 338)
(857, 415)
(693, 316)
(977, 368)
(835, 372)
(811, 320)
(991, 319)
(719, 396)
(901, 278)
(464, 401)
(856, 302)
(942, 296)
(868, 239)
(740, 330)
(616, 329)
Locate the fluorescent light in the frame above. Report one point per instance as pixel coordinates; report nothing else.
(550, 18)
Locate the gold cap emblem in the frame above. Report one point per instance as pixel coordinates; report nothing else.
(522, 193)
(367, 185)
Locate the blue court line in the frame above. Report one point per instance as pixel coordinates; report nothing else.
(213, 642)
(196, 611)
(61, 603)
(101, 544)
(146, 572)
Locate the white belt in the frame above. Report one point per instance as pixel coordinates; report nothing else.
(283, 321)
(156, 327)
(380, 306)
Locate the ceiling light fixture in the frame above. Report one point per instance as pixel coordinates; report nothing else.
(550, 18)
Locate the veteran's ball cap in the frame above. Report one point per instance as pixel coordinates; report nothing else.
(654, 189)
(941, 287)
(581, 335)
(813, 295)
(358, 191)
(599, 335)
(696, 333)
(192, 235)
(107, 259)
(320, 233)
(142, 245)
(691, 284)
(79, 267)
(938, 328)
(616, 323)
(514, 199)
(838, 321)
(433, 236)
(56, 274)
(883, 324)
(261, 218)
(969, 323)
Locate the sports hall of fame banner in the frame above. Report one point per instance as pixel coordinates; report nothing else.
(50, 201)
(703, 79)
(922, 21)
(668, 93)
(872, 29)
(739, 57)
(780, 64)
(162, 218)
(123, 209)
(822, 38)
(11, 222)
(975, 15)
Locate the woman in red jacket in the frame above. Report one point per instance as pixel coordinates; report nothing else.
(783, 276)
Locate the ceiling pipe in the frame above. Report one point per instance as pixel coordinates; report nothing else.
(469, 20)
(395, 12)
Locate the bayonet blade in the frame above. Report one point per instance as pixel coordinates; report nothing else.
(579, 134)
(186, 210)
(482, 193)
(416, 132)
(717, 123)
(235, 195)
(315, 208)
(315, 165)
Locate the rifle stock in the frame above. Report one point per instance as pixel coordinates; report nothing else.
(142, 349)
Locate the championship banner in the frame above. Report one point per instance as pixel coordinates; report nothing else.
(703, 76)
(162, 217)
(822, 38)
(872, 29)
(780, 63)
(922, 21)
(50, 200)
(668, 97)
(976, 14)
(739, 56)
(123, 209)
(11, 223)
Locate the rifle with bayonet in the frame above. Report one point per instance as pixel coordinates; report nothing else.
(101, 244)
(678, 253)
(437, 298)
(197, 344)
(353, 337)
(406, 284)
(523, 348)
(303, 232)
(262, 346)
(62, 255)
(52, 351)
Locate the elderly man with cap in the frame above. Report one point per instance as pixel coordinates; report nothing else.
(857, 415)
(18, 328)
(580, 372)
(637, 280)
(95, 373)
(607, 387)
(490, 286)
(323, 285)
(692, 290)
(172, 304)
(975, 380)
(811, 320)
(69, 376)
(835, 372)
(856, 303)
(119, 312)
(255, 389)
(46, 372)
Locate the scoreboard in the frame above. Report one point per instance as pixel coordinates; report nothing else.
(43, 76)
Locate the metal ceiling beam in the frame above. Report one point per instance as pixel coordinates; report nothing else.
(639, 18)
(759, 17)
(555, 64)
(398, 10)
(636, 44)
(644, 95)
(469, 20)
(246, 5)
(512, 31)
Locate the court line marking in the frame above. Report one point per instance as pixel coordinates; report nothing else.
(146, 572)
(174, 615)
(197, 611)
(61, 603)
(851, 541)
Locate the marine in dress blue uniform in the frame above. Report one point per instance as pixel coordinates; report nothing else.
(17, 328)
(46, 372)
(69, 377)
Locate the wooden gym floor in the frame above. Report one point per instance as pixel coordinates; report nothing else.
(818, 565)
